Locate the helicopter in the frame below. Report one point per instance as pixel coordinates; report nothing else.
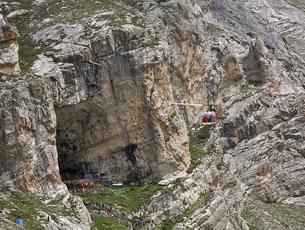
(208, 117)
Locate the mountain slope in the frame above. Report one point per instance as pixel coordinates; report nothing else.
(106, 74)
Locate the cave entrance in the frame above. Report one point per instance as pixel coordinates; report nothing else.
(93, 144)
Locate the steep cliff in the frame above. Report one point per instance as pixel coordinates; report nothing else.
(111, 99)
(9, 48)
(252, 173)
(29, 161)
(97, 96)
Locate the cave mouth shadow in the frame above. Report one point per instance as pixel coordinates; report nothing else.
(130, 153)
(72, 167)
(89, 143)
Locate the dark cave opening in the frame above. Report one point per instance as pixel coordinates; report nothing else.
(93, 144)
(130, 153)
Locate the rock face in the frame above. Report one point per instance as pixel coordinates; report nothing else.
(28, 128)
(101, 98)
(8, 48)
(256, 151)
(28, 147)
(112, 118)
(112, 104)
(28, 153)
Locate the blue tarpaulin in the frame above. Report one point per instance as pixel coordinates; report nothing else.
(91, 176)
(20, 222)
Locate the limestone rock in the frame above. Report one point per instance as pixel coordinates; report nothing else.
(8, 48)
(28, 132)
(232, 68)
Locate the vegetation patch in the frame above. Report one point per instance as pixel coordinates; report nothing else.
(200, 135)
(221, 165)
(27, 206)
(300, 4)
(204, 132)
(172, 187)
(69, 12)
(167, 224)
(261, 215)
(76, 11)
(203, 200)
(196, 154)
(127, 199)
(107, 224)
(248, 216)
(24, 206)
(197, 139)
(28, 49)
